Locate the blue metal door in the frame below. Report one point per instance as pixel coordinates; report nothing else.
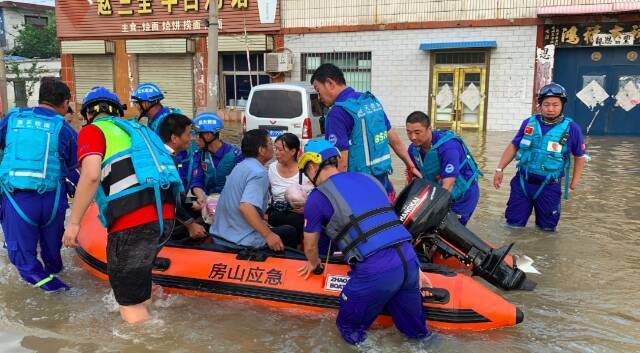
(612, 69)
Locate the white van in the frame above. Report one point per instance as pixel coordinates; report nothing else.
(285, 107)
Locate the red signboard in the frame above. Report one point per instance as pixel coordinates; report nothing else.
(102, 19)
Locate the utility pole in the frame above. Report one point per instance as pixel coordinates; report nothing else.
(212, 55)
(3, 84)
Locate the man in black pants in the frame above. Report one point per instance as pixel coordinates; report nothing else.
(175, 132)
(240, 211)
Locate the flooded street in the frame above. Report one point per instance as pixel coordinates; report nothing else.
(586, 300)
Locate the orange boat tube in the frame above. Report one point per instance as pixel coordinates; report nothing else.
(217, 270)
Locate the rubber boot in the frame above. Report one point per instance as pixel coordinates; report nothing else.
(50, 283)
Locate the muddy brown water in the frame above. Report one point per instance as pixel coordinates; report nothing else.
(586, 300)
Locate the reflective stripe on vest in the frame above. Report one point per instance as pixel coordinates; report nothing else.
(118, 175)
(117, 172)
(369, 151)
(361, 226)
(430, 165)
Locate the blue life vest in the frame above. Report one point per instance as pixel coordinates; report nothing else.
(430, 165)
(546, 156)
(31, 160)
(369, 148)
(361, 226)
(155, 124)
(216, 177)
(137, 170)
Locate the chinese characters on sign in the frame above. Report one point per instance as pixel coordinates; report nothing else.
(610, 39)
(586, 35)
(142, 7)
(272, 277)
(163, 26)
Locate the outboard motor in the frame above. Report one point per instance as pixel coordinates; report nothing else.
(424, 209)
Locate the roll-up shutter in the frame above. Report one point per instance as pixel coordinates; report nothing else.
(90, 71)
(173, 73)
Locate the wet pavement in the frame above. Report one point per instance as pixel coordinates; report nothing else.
(586, 299)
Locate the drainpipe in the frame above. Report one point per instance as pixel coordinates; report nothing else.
(212, 58)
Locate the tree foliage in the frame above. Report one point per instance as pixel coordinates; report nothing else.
(24, 80)
(33, 42)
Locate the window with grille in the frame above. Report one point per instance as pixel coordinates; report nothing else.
(356, 67)
(460, 58)
(36, 21)
(237, 78)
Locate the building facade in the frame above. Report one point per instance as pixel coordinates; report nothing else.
(23, 79)
(469, 64)
(14, 15)
(593, 50)
(119, 44)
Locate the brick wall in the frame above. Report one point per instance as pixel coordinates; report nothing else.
(400, 71)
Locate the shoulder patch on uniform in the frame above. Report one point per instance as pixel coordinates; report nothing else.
(449, 168)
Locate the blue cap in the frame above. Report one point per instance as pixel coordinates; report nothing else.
(101, 94)
(147, 92)
(317, 150)
(208, 122)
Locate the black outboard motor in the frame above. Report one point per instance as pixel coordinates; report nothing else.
(424, 209)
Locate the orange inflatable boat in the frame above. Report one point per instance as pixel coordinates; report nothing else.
(219, 269)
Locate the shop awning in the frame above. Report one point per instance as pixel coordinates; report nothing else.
(588, 9)
(459, 45)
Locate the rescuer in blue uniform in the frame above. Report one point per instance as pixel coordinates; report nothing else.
(146, 98)
(384, 268)
(543, 147)
(358, 126)
(215, 160)
(40, 151)
(443, 158)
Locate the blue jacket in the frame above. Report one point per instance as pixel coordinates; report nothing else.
(211, 170)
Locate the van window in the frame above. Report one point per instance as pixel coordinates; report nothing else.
(275, 104)
(317, 107)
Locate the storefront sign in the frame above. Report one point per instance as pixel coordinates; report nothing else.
(609, 40)
(133, 18)
(587, 35)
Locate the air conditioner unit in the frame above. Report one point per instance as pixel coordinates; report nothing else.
(278, 62)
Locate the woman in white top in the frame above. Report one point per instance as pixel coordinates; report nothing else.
(283, 173)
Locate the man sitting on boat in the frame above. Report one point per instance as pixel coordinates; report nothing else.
(175, 132)
(240, 211)
(384, 267)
